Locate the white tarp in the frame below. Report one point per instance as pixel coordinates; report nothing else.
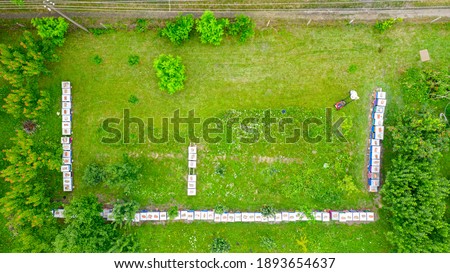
(355, 216)
(65, 140)
(66, 91)
(251, 216)
(378, 109)
(204, 215)
(66, 118)
(342, 217)
(374, 169)
(191, 192)
(66, 132)
(374, 142)
(66, 112)
(192, 157)
(374, 182)
(373, 189)
(224, 217)
(67, 154)
(375, 162)
(318, 215)
(192, 185)
(67, 174)
(67, 147)
(136, 218)
(59, 213)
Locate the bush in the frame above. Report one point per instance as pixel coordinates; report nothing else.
(352, 68)
(382, 26)
(210, 29)
(170, 72)
(51, 29)
(414, 193)
(93, 174)
(133, 99)
(133, 60)
(219, 245)
(243, 26)
(101, 31)
(97, 59)
(268, 211)
(219, 209)
(124, 212)
(172, 212)
(178, 31)
(142, 25)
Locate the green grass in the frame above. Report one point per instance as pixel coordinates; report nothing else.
(302, 70)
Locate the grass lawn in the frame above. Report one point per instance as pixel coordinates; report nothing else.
(285, 67)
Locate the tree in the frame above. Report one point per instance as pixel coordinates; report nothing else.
(51, 29)
(414, 192)
(171, 73)
(210, 29)
(179, 30)
(243, 26)
(86, 231)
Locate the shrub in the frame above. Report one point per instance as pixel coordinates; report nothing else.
(178, 31)
(133, 60)
(352, 68)
(210, 29)
(382, 26)
(219, 209)
(124, 212)
(421, 85)
(142, 25)
(51, 29)
(101, 31)
(172, 212)
(170, 72)
(243, 26)
(268, 211)
(97, 59)
(219, 245)
(268, 243)
(414, 193)
(133, 99)
(93, 174)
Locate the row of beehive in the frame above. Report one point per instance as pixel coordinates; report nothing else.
(210, 215)
(66, 140)
(376, 136)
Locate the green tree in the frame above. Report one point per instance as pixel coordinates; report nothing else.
(178, 31)
(414, 192)
(220, 245)
(170, 72)
(210, 29)
(243, 26)
(86, 231)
